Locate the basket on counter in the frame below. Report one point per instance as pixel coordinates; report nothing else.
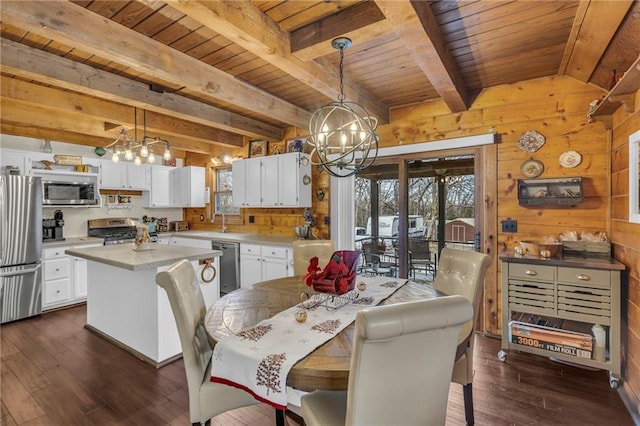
(587, 248)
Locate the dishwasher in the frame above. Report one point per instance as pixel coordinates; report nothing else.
(229, 266)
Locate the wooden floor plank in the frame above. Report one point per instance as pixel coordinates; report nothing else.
(76, 377)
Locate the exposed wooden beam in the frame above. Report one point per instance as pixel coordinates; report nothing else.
(76, 26)
(113, 113)
(416, 25)
(250, 28)
(593, 33)
(46, 117)
(44, 67)
(361, 22)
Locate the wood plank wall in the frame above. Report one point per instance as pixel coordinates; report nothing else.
(556, 107)
(626, 238)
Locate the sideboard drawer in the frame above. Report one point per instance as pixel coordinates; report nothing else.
(531, 272)
(591, 277)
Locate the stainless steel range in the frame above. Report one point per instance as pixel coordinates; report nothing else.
(114, 230)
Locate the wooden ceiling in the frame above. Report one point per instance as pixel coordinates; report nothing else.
(221, 72)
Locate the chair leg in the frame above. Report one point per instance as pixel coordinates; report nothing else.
(280, 417)
(468, 403)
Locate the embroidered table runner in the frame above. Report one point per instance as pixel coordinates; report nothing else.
(258, 359)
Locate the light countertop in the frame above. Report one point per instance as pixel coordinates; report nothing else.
(123, 256)
(235, 237)
(73, 241)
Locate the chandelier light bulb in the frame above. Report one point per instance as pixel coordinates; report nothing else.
(167, 154)
(115, 157)
(151, 158)
(144, 151)
(137, 161)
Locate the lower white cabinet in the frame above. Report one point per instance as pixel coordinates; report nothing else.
(64, 277)
(207, 271)
(263, 262)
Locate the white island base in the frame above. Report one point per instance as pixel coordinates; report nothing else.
(127, 307)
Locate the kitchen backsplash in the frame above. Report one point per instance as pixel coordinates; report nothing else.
(75, 218)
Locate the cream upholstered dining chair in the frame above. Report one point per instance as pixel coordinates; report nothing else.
(303, 250)
(389, 381)
(206, 399)
(462, 272)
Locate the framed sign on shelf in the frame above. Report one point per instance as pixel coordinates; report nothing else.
(257, 148)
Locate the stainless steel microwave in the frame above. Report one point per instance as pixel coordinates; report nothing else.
(70, 193)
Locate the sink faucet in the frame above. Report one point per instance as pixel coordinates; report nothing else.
(224, 227)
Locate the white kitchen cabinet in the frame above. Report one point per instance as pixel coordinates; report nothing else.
(188, 186)
(56, 278)
(244, 193)
(127, 176)
(191, 242)
(79, 276)
(64, 277)
(263, 262)
(160, 192)
(21, 160)
(275, 181)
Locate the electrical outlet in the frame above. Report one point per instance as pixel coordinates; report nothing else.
(252, 219)
(327, 221)
(509, 225)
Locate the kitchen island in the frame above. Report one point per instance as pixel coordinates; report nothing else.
(124, 303)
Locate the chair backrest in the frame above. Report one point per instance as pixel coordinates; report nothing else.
(402, 361)
(419, 249)
(462, 272)
(303, 250)
(181, 284)
(370, 253)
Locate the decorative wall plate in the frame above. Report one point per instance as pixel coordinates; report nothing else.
(531, 168)
(570, 159)
(531, 141)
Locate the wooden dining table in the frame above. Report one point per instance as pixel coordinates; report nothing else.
(327, 367)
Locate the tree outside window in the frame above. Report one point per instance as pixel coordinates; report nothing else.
(223, 194)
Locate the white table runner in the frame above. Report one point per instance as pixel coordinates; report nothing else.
(258, 359)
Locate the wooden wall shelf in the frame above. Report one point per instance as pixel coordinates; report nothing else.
(623, 93)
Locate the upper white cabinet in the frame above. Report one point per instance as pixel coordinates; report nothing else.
(124, 176)
(160, 191)
(12, 159)
(175, 187)
(188, 186)
(275, 181)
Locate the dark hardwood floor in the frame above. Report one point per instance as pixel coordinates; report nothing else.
(54, 372)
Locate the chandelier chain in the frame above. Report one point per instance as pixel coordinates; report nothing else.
(341, 95)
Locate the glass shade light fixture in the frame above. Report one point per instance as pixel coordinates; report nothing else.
(342, 133)
(138, 152)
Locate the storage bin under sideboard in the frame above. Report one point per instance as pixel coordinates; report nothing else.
(585, 291)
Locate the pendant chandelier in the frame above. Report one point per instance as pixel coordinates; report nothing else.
(139, 152)
(342, 133)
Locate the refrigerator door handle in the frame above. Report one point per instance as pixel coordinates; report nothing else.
(20, 272)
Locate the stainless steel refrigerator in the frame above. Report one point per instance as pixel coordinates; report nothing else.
(20, 247)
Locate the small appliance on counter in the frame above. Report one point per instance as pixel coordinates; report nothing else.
(178, 225)
(52, 228)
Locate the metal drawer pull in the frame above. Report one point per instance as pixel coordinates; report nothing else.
(530, 272)
(583, 277)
